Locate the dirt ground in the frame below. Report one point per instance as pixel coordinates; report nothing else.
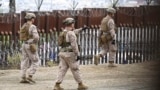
(141, 76)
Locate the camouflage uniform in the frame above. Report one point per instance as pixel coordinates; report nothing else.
(107, 37)
(68, 58)
(29, 62)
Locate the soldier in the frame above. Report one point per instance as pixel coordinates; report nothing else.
(107, 38)
(30, 58)
(69, 55)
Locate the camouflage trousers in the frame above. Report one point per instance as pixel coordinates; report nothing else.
(111, 49)
(67, 60)
(29, 62)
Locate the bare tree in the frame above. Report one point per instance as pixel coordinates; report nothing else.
(114, 3)
(0, 3)
(148, 2)
(73, 6)
(39, 4)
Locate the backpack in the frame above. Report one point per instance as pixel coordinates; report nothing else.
(24, 32)
(62, 39)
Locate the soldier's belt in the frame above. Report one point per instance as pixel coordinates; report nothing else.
(28, 42)
(106, 33)
(66, 44)
(66, 50)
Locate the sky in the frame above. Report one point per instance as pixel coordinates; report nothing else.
(49, 5)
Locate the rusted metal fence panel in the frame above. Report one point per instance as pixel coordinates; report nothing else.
(87, 16)
(6, 27)
(94, 15)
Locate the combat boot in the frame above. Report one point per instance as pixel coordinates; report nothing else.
(58, 87)
(29, 78)
(111, 64)
(81, 86)
(24, 80)
(96, 59)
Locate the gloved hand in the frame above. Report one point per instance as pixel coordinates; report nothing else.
(84, 27)
(78, 58)
(113, 42)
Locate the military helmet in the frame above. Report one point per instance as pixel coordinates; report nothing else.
(30, 16)
(68, 21)
(111, 10)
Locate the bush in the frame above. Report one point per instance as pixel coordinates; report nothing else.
(14, 60)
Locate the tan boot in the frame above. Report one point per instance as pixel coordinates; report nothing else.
(111, 64)
(58, 87)
(24, 80)
(96, 59)
(81, 86)
(29, 78)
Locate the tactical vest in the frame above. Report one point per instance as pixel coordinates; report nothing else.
(104, 24)
(62, 40)
(24, 32)
(105, 36)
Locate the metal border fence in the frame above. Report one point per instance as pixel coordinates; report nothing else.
(135, 44)
(137, 35)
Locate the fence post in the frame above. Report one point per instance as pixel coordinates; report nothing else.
(13, 30)
(57, 21)
(47, 25)
(88, 17)
(92, 44)
(141, 42)
(127, 44)
(133, 18)
(158, 41)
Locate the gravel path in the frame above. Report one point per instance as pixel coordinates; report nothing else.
(142, 76)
